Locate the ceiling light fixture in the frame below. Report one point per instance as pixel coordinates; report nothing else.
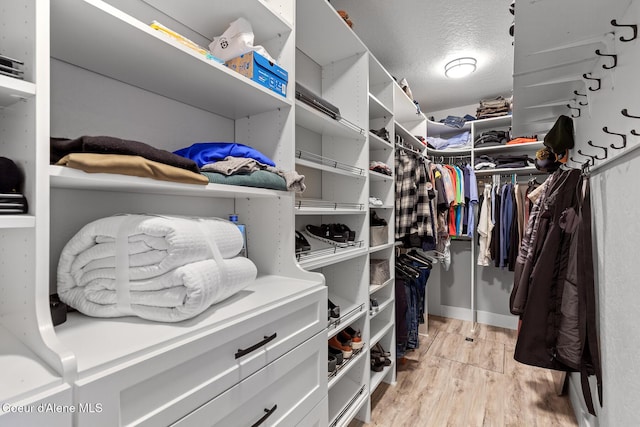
(460, 67)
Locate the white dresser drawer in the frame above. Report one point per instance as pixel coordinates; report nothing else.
(171, 382)
(281, 394)
(318, 417)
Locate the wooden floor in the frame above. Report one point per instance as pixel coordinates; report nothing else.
(449, 381)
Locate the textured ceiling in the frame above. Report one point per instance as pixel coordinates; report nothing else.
(414, 39)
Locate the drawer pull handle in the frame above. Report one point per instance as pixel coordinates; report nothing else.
(242, 352)
(265, 416)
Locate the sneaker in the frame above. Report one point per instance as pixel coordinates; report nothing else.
(302, 244)
(329, 233)
(382, 133)
(373, 305)
(337, 353)
(374, 201)
(353, 336)
(347, 351)
(334, 310)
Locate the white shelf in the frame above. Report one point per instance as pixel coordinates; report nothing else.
(506, 148)
(98, 37)
(377, 108)
(377, 143)
(13, 90)
(404, 108)
(348, 364)
(409, 139)
(504, 171)
(329, 211)
(373, 249)
(440, 129)
(101, 343)
(377, 377)
(212, 21)
(375, 339)
(375, 288)
(341, 254)
(377, 176)
(23, 372)
(350, 312)
(323, 35)
(327, 168)
(492, 123)
(449, 152)
(312, 119)
(346, 399)
(381, 207)
(381, 307)
(64, 177)
(17, 221)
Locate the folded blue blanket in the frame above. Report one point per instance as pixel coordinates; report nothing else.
(210, 152)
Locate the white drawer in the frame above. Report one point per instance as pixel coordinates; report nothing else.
(281, 394)
(48, 408)
(167, 384)
(318, 417)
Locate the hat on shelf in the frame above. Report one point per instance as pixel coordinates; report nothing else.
(10, 176)
(560, 137)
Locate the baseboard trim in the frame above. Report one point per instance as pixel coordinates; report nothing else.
(484, 317)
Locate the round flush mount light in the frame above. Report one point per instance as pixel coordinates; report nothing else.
(460, 67)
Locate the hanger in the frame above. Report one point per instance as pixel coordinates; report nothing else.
(423, 263)
(425, 257)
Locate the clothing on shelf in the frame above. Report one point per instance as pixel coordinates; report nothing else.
(209, 152)
(554, 283)
(462, 140)
(503, 161)
(496, 107)
(491, 138)
(380, 167)
(159, 268)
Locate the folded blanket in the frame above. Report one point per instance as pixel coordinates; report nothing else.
(259, 178)
(130, 165)
(60, 147)
(170, 265)
(180, 294)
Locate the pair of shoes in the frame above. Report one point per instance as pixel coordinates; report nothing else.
(302, 244)
(375, 220)
(335, 343)
(382, 133)
(379, 358)
(373, 306)
(337, 353)
(335, 234)
(351, 337)
(374, 201)
(333, 311)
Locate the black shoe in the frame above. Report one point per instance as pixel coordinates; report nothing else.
(337, 353)
(375, 220)
(334, 310)
(302, 244)
(334, 234)
(382, 133)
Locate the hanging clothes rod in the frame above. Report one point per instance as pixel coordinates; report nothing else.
(409, 149)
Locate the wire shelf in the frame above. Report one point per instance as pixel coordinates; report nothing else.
(333, 324)
(328, 205)
(325, 161)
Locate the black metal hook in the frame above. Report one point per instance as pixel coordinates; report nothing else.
(574, 108)
(575, 92)
(621, 135)
(602, 148)
(634, 132)
(626, 114)
(588, 162)
(612, 55)
(593, 158)
(634, 27)
(585, 76)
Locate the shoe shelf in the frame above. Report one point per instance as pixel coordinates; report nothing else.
(13, 90)
(377, 108)
(316, 161)
(506, 148)
(320, 207)
(375, 339)
(381, 206)
(377, 377)
(113, 48)
(377, 143)
(314, 259)
(381, 306)
(409, 139)
(510, 171)
(347, 364)
(352, 313)
(17, 221)
(23, 372)
(378, 248)
(312, 119)
(375, 288)
(377, 176)
(346, 401)
(64, 177)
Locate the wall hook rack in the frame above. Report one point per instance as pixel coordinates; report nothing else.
(587, 76)
(574, 108)
(634, 27)
(621, 135)
(593, 158)
(634, 132)
(625, 113)
(575, 92)
(581, 163)
(612, 55)
(606, 153)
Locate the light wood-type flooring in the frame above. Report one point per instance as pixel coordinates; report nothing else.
(452, 382)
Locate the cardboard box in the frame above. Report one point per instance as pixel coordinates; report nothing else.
(260, 70)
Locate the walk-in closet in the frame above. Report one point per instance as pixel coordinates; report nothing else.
(320, 213)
